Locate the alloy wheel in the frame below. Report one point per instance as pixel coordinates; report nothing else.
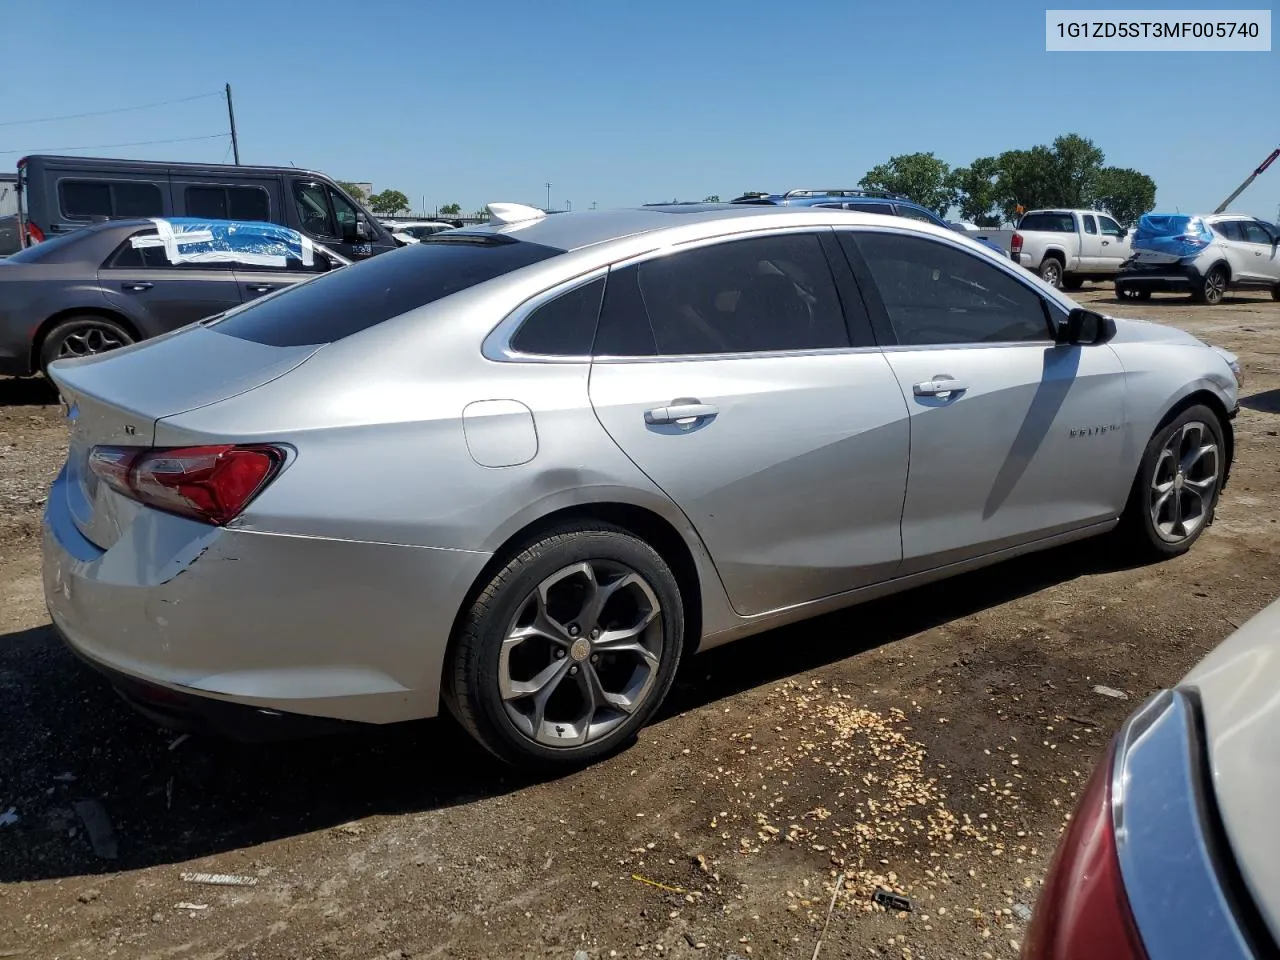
(1215, 286)
(582, 653)
(89, 341)
(1184, 482)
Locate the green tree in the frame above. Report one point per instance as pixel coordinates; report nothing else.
(451, 209)
(1077, 163)
(1027, 178)
(354, 192)
(713, 198)
(1124, 193)
(919, 176)
(975, 192)
(388, 202)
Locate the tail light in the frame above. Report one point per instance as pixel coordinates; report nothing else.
(34, 233)
(210, 484)
(1015, 243)
(1083, 912)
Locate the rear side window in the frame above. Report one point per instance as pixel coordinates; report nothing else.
(228, 203)
(1090, 225)
(85, 199)
(911, 213)
(363, 295)
(756, 295)
(1048, 222)
(1228, 229)
(563, 327)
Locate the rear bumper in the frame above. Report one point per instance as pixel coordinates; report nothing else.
(179, 613)
(1156, 278)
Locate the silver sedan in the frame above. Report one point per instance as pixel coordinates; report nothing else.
(524, 469)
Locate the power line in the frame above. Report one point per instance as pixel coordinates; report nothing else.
(109, 146)
(103, 113)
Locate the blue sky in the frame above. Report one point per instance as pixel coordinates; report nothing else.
(622, 103)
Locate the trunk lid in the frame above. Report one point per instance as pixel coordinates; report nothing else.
(118, 397)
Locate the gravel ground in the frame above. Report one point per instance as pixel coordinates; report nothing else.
(931, 744)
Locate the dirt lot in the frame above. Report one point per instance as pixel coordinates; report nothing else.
(931, 743)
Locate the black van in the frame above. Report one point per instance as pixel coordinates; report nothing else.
(60, 194)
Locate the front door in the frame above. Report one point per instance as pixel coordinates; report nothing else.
(1115, 245)
(329, 218)
(1013, 437)
(1261, 258)
(1090, 243)
(726, 373)
(163, 295)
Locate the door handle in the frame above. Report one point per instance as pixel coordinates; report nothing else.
(939, 385)
(137, 285)
(682, 411)
(259, 287)
(1106, 243)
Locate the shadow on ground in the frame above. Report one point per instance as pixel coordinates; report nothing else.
(65, 736)
(1268, 401)
(26, 392)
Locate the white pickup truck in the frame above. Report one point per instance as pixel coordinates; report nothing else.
(1068, 247)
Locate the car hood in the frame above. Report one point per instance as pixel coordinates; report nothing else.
(1239, 687)
(1144, 331)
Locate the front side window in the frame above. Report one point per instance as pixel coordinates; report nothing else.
(563, 327)
(313, 209)
(937, 294)
(345, 213)
(761, 294)
(1254, 232)
(1109, 227)
(1090, 226)
(85, 199)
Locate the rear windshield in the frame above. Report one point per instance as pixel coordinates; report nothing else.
(363, 295)
(47, 250)
(1050, 222)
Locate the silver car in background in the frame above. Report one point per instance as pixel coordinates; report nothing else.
(523, 469)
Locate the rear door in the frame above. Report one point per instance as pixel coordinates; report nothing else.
(257, 280)
(1238, 254)
(164, 295)
(1090, 244)
(726, 372)
(1013, 437)
(1260, 263)
(253, 199)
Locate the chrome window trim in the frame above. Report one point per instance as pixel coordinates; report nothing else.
(1171, 881)
(497, 345)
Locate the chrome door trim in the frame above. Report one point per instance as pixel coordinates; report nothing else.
(497, 345)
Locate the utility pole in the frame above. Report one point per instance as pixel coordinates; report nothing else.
(568, 205)
(593, 204)
(231, 115)
(548, 196)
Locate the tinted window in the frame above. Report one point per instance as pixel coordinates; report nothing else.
(1090, 225)
(129, 257)
(228, 203)
(1109, 227)
(1254, 232)
(345, 213)
(563, 327)
(911, 213)
(740, 296)
(1050, 222)
(884, 209)
(1228, 229)
(82, 199)
(937, 294)
(313, 209)
(137, 200)
(356, 298)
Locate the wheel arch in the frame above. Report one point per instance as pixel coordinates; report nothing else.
(1054, 253)
(37, 341)
(640, 521)
(1201, 394)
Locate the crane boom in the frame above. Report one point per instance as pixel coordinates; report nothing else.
(1248, 180)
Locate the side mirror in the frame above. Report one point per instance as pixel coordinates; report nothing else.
(357, 232)
(1085, 328)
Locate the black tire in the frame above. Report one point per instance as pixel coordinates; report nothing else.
(1137, 530)
(1051, 271)
(472, 687)
(81, 336)
(1072, 283)
(1212, 287)
(1275, 292)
